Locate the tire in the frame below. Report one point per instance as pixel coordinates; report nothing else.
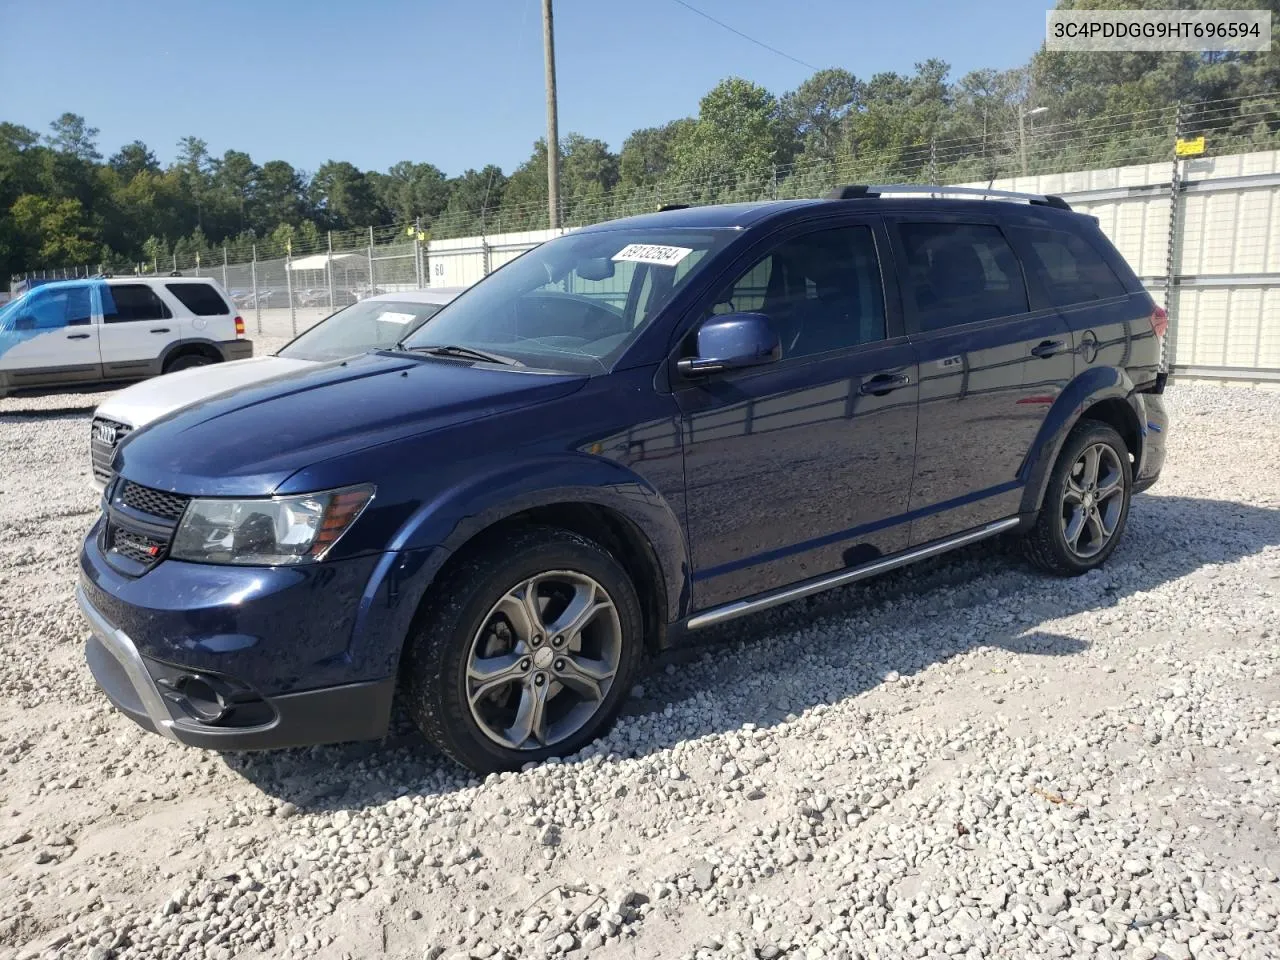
(473, 662)
(1070, 536)
(186, 361)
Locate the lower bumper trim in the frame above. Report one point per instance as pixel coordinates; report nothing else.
(352, 711)
(121, 648)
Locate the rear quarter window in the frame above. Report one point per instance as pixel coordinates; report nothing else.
(200, 298)
(1068, 267)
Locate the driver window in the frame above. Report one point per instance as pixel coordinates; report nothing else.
(54, 309)
(822, 291)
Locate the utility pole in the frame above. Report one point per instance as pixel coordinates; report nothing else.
(553, 133)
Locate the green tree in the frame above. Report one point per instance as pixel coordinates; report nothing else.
(56, 231)
(235, 178)
(72, 136)
(132, 159)
(738, 137)
(343, 196)
(648, 155)
(816, 113)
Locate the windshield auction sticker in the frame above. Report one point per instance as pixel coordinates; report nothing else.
(1159, 31)
(652, 253)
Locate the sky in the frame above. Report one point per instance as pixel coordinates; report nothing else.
(458, 84)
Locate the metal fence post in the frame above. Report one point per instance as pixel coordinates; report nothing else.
(484, 254)
(175, 262)
(417, 254)
(1171, 250)
(328, 266)
(372, 288)
(224, 267)
(288, 283)
(253, 279)
(197, 263)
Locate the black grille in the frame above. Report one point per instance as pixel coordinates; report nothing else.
(101, 449)
(137, 547)
(157, 503)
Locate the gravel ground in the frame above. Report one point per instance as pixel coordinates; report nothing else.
(961, 759)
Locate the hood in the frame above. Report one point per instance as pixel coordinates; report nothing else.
(248, 442)
(143, 402)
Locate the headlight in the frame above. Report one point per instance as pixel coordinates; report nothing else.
(267, 532)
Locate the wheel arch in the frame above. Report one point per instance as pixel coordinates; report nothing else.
(190, 346)
(609, 504)
(1105, 395)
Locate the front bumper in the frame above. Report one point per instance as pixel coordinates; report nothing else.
(133, 683)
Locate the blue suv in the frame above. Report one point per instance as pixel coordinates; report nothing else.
(628, 433)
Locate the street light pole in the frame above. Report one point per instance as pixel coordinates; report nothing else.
(553, 135)
(1023, 113)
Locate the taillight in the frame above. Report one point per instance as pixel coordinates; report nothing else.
(240, 327)
(1160, 321)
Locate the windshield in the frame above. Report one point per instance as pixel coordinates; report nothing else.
(367, 325)
(574, 303)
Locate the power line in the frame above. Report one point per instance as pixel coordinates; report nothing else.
(758, 43)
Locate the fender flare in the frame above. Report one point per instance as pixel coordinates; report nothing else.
(177, 345)
(1090, 388)
(442, 526)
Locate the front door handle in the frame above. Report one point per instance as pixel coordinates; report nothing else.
(78, 336)
(884, 383)
(1047, 348)
(160, 330)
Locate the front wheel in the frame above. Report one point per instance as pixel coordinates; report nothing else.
(524, 651)
(1086, 503)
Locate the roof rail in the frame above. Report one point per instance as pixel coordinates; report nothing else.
(862, 191)
(672, 206)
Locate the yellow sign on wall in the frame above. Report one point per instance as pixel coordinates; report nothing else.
(1189, 148)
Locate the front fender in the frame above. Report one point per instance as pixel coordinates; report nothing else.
(440, 527)
(1089, 388)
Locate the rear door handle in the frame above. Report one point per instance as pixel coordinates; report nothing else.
(160, 330)
(1047, 348)
(78, 336)
(884, 383)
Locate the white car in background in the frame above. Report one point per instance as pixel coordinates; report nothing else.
(371, 324)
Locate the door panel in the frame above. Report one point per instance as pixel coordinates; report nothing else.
(801, 468)
(990, 368)
(136, 327)
(795, 473)
(983, 397)
(53, 340)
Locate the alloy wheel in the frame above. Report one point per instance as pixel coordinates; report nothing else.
(543, 660)
(1092, 500)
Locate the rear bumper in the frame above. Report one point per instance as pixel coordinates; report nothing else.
(236, 349)
(1155, 430)
(143, 690)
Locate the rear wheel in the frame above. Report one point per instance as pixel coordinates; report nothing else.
(1086, 503)
(186, 361)
(525, 651)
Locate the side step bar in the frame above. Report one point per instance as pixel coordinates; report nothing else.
(739, 608)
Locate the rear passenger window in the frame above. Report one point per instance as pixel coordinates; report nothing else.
(960, 273)
(200, 298)
(125, 302)
(822, 291)
(1068, 267)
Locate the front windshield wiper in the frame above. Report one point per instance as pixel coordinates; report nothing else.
(466, 353)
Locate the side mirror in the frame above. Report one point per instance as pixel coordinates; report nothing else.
(732, 342)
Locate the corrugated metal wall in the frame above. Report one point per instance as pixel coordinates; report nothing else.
(1224, 301)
